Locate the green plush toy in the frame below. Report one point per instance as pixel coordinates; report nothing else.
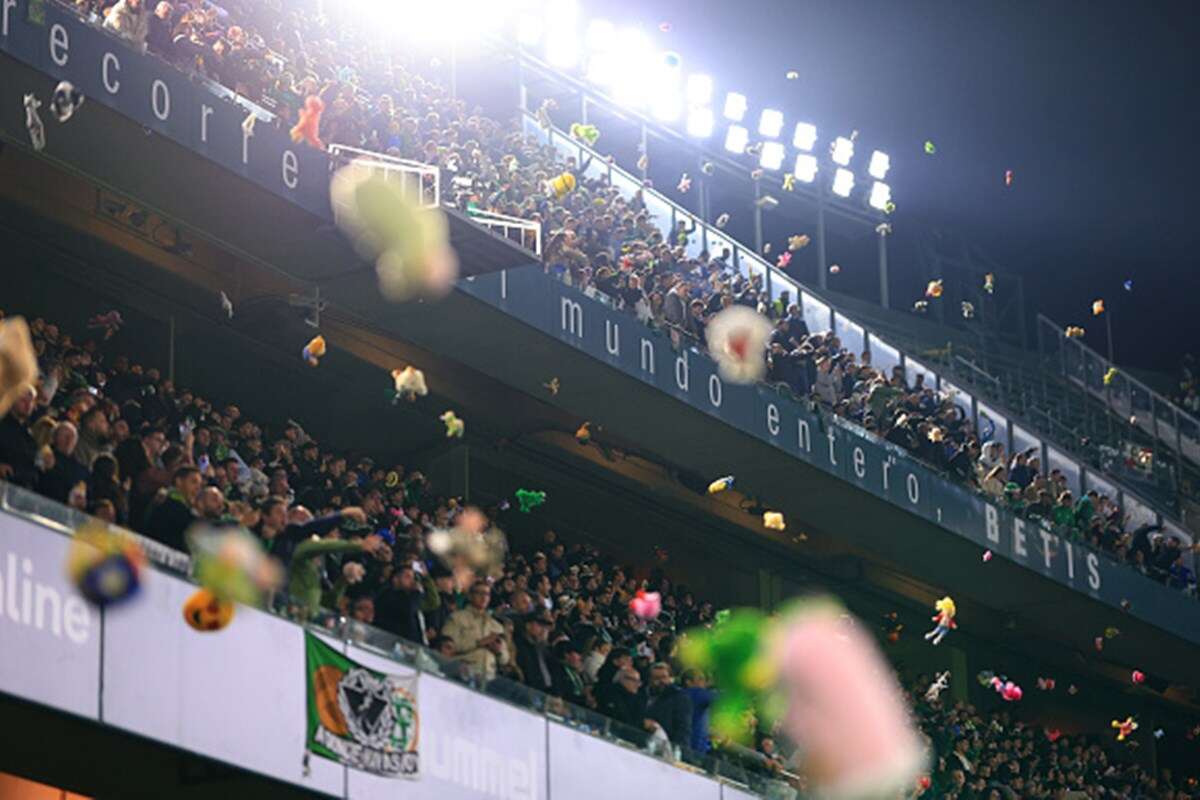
(733, 654)
(530, 499)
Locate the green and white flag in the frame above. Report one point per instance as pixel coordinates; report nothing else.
(359, 717)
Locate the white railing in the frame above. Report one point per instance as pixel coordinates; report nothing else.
(527, 234)
(421, 182)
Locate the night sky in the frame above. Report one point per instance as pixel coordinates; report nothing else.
(1093, 106)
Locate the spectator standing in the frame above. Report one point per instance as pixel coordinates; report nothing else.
(18, 450)
(130, 19)
(478, 636)
(65, 473)
(532, 658)
(696, 686)
(169, 519)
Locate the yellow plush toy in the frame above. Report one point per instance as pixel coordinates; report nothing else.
(561, 186)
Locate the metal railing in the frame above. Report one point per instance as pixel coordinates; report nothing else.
(528, 234)
(420, 182)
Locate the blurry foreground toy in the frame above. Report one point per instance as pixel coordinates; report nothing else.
(1138, 676)
(1128, 285)
(930, 148)
(1097, 308)
(409, 383)
(834, 269)
(308, 126)
(1074, 332)
(737, 340)
(529, 499)
(843, 706)
(720, 484)
(455, 427)
(1008, 177)
(468, 546)
(583, 434)
(774, 520)
(646, 605)
(18, 361)
(944, 619)
(408, 243)
(1007, 690)
(106, 565)
(314, 351)
(204, 612)
(1110, 375)
(934, 288)
(1125, 728)
(792, 75)
(798, 241)
(784, 259)
(231, 563)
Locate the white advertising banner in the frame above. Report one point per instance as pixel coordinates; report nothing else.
(236, 695)
(49, 635)
(733, 793)
(583, 767)
(472, 746)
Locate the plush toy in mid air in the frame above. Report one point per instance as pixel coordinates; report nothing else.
(105, 565)
(204, 612)
(410, 384)
(944, 619)
(561, 185)
(588, 134)
(314, 351)
(308, 127)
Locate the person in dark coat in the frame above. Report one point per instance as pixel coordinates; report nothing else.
(167, 521)
(398, 609)
(533, 659)
(18, 450)
(669, 705)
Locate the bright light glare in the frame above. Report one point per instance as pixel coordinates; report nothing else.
(700, 123)
(772, 155)
(843, 151)
(699, 89)
(880, 164)
(529, 30)
(601, 36)
(805, 136)
(806, 167)
(562, 46)
(881, 196)
(735, 106)
(843, 182)
(770, 123)
(603, 69)
(667, 105)
(736, 139)
(631, 87)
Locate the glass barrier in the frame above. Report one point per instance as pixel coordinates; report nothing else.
(817, 315)
(959, 397)
(851, 334)
(884, 357)
(1023, 440)
(991, 425)
(914, 368)
(1066, 465)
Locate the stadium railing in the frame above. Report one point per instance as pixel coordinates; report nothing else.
(740, 769)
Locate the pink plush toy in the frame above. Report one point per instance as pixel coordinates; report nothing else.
(646, 605)
(845, 709)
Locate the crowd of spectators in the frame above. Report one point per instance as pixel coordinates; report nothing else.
(120, 441)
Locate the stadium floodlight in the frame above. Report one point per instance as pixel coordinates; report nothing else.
(601, 36)
(637, 70)
(842, 151)
(880, 164)
(699, 89)
(736, 139)
(771, 156)
(667, 104)
(843, 182)
(529, 30)
(562, 46)
(700, 123)
(881, 196)
(806, 167)
(805, 136)
(735, 106)
(770, 123)
(603, 68)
